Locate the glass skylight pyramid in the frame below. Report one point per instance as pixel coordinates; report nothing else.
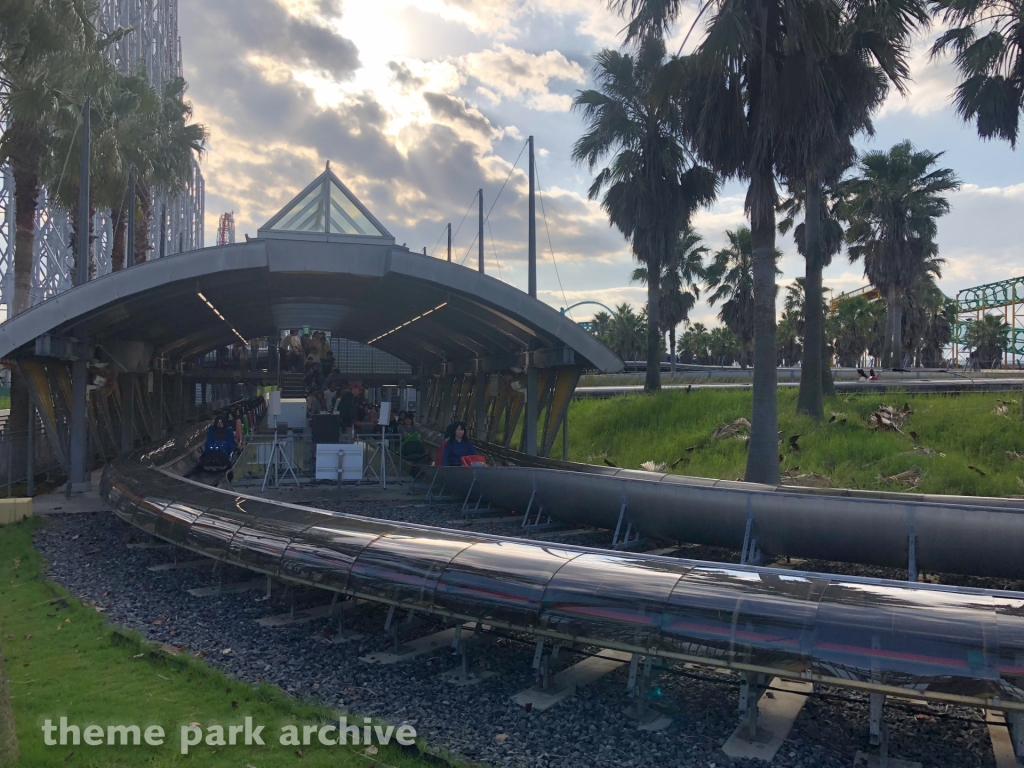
(325, 207)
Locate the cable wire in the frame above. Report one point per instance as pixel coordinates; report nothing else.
(438, 239)
(67, 157)
(459, 228)
(494, 252)
(550, 246)
(487, 218)
(456, 231)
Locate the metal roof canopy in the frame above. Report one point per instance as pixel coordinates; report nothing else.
(326, 210)
(436, 316)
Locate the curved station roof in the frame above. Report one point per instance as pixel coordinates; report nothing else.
(326, 262)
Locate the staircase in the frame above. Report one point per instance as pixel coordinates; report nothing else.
(291, 385)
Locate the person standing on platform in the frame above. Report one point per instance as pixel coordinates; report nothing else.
(457, 447)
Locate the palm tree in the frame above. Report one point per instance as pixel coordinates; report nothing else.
(723, 346)
(760, 97)
(986, 38)
(115, 129)
(867, 53)
(600, 323)
(788, 337)
(132, 124)
(49, 53)
(694, 344)
(854, 328)
(892, 208)
(940, 313)
(652, 187)
(625, 332)
(990, 336)
(47, 50)
(927, 326)
(731, 276)
(825, 241)
(752, 86)
(175, 142)
(679, 283)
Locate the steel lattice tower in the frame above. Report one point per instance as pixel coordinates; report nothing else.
(1005, 298)
(226, 229)
(177, 222)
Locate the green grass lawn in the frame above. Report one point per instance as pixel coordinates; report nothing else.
(633, 429)
(64, 660)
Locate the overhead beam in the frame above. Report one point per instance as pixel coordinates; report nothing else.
(539, 358)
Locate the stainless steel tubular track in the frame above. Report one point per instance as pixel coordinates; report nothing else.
(966, 535)
(932, 642)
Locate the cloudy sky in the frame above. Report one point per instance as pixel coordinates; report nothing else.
(419, 103)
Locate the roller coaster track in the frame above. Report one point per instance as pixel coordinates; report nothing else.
(932, 642)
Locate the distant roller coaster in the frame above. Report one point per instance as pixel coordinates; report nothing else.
(1005, 297)
(586, 324)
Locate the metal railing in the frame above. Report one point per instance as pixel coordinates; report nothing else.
(14, 456)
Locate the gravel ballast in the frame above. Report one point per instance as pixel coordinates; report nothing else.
(481, 723)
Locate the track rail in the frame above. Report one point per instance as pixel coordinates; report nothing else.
(963, 646)
(970, 535)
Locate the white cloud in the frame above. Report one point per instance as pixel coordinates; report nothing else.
(931, 83)
(514, 74)
(362, 98)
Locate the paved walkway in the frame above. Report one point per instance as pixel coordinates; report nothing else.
(56, 503)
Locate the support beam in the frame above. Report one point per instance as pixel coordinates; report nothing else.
(774, 720)
(532, 230)
(480, 416)
(30, 451)
(126, 385)
(129, 240)
(565, 684)
(1002, 741)
(82, 235)
(532, 412)
(159, 404)
(565, 436)
(78, 479)
(566, 380)
(179, 401)
(480, 234)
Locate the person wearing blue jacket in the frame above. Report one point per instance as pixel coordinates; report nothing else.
(457, 446)
(220, 438)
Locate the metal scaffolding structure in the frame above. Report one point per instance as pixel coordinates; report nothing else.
(1005, 298)
(177, 223)
(226, 229)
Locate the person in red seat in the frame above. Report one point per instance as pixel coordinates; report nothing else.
(458, 446)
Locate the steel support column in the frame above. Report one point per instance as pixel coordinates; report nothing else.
(565, 436)
(30, 451)
(78, 477)
(532, 412)
(532, 233)
(159, 403)
(126, 385)
(480, 410)
(566, 380)
(480, 233)
(179, 400)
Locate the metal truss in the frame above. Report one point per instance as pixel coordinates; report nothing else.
(1005, 298)
(177, 223)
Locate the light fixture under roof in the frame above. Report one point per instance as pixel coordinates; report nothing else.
(218, 314)
(409, 322)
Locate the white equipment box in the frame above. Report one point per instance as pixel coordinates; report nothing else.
(273, 408)
(293, 413)
(342, 461)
